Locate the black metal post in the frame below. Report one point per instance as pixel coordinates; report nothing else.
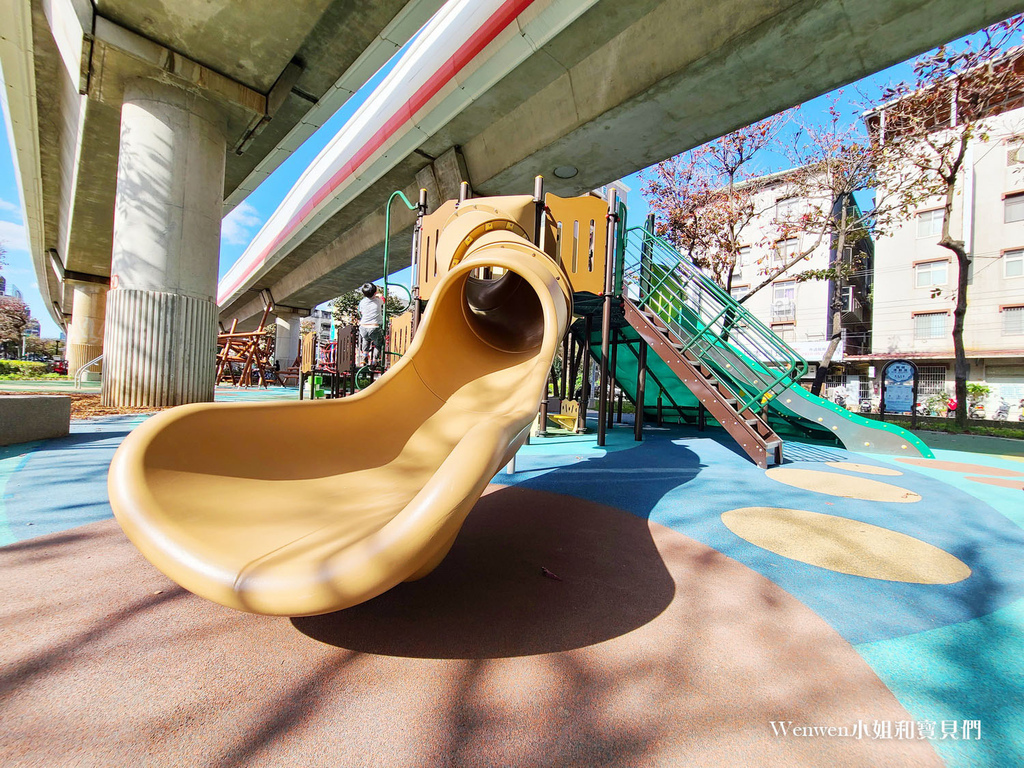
(574, 370)
(606, 317)
(417, 237)
(538, 203)
(566, 394)
(612, 379)
(588, 329)
(646, 258)
(641, 382)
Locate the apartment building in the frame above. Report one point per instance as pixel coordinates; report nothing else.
(798, 311)
(915, 278)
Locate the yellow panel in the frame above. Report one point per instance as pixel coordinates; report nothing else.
(517, 208)
(400, 331)
(581, 239)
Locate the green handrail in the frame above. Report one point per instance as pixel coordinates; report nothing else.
(387, 242)
(694, 319)
(719, 297)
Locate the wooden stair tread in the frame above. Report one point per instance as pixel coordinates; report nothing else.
(767, 444)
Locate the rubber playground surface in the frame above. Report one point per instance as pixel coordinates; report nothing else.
(656, 603)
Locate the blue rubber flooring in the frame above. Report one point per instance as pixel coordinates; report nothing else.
(949, 652)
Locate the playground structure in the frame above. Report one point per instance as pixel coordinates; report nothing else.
(243, 357)
(329, 364)
(393, 470)
(390, 472)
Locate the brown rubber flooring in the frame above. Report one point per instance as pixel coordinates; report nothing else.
(648, 649)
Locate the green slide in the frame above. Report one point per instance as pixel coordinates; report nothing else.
(757, 365)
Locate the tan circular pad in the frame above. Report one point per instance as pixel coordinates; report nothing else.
(956, 466)
(864, 469)
(1003, 482)
(845, 486)
(844, 545)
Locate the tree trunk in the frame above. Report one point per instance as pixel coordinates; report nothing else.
(836, 324)
(960, 367)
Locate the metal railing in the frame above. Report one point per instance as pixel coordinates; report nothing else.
(713, 327)
(82, 371)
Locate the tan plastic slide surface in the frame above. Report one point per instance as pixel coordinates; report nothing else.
(301, 508)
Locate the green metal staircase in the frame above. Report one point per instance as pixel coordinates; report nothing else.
(702, 333)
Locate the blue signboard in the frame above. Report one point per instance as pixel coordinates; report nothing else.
(899, 386)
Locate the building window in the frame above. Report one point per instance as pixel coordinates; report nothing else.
(1013, 263)
(1013, 321)
(1013, 208)
(931, 380)
(742, 259)
(929, 223)
(784, 251)
(785, 210)
(847, 298)
(784, 299)
(834, 381)
(931, 273)
(739, 291)
(785, 331)
(930, 325)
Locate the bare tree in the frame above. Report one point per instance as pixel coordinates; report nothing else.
(834, 160)
(925, 127)
(14, 317)
(704, 199)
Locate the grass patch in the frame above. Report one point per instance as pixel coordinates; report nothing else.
(32, 376)
(19, 370)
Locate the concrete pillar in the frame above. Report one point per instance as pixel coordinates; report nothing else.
(160, 341)
(85, 334)
(286, 344)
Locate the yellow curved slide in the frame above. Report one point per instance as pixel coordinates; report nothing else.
(301, 508)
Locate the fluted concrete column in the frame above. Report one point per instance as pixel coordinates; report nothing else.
(161, 329)
(286, 343)
(85, 334)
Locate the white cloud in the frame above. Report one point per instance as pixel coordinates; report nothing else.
(10, 207)
(238, 227)
(12, 237)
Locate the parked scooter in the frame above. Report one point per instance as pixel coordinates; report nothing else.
(976, 411)
(1003, 411)
(865, 406)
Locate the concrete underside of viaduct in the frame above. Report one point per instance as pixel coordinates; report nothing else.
(626, 85)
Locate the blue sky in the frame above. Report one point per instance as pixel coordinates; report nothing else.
(242, 224)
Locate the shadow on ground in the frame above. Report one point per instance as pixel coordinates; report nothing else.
(531, 572)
